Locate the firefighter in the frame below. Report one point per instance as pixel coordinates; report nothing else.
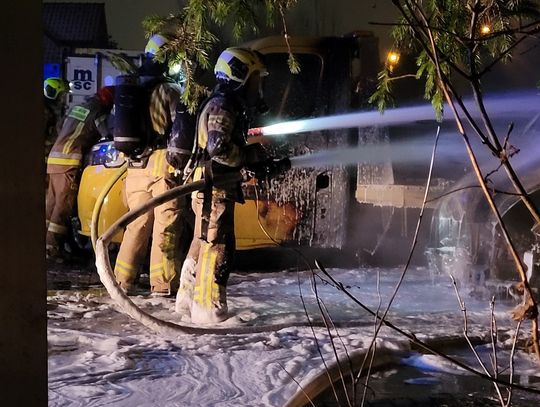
(54, 90)
(83, 126)
(148, 176)
(221, 139)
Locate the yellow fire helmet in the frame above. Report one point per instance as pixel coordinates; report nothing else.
(54, 87)
(235, 65)
(155, 42)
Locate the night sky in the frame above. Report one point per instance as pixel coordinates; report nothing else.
(124, 18)
(309, 17)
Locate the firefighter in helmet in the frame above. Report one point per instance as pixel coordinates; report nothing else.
(221, 138)
(150, 175)
(54, 90)
(84, 125)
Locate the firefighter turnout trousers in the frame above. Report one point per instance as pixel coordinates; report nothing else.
(166, 224)
(205, 272)
(59, 205)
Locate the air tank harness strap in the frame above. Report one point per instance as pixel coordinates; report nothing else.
(140, 161)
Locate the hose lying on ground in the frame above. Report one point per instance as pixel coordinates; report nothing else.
(106, 273)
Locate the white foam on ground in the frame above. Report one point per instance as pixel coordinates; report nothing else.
(100, 357)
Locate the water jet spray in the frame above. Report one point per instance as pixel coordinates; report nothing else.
(359, 119)
(510, 105)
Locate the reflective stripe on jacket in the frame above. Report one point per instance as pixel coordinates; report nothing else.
(163, 101)
(83, 126)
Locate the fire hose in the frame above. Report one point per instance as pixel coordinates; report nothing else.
(106, 273)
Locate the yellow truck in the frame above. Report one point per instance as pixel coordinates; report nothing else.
(303, 207)
(364, 212)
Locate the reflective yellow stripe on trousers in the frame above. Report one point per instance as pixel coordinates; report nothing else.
(207, 288)
(124, 268)
(157, 269)
(56, 228)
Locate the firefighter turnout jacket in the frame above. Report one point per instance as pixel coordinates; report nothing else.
(222, 129)
(83, 126)
(167, 224)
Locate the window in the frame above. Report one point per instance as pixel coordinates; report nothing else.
(291, 96)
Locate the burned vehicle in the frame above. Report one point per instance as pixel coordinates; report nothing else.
(466, 236)
(305, 208)
(368, 210)
(365, 210)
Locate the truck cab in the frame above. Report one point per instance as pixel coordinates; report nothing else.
(364, 212)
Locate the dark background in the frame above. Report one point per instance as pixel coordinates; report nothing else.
(23, 337)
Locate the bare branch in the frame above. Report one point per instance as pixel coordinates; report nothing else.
(469, 187)
(411, 250)
(499, 57)
(512, 354)
(528, 308)
(315, 339)
(339, 286)
(326, 318)
(394, 78)
(379, 304)
(493, 333)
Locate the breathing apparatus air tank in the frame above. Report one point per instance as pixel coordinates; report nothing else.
(130, 115)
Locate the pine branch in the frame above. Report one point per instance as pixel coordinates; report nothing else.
(192, 37)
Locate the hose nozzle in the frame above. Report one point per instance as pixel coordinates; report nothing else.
(255, 132)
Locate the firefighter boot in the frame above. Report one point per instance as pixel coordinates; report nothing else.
(59, 255)
(216, 311)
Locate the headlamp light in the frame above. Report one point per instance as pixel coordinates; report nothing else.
(106, 154)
